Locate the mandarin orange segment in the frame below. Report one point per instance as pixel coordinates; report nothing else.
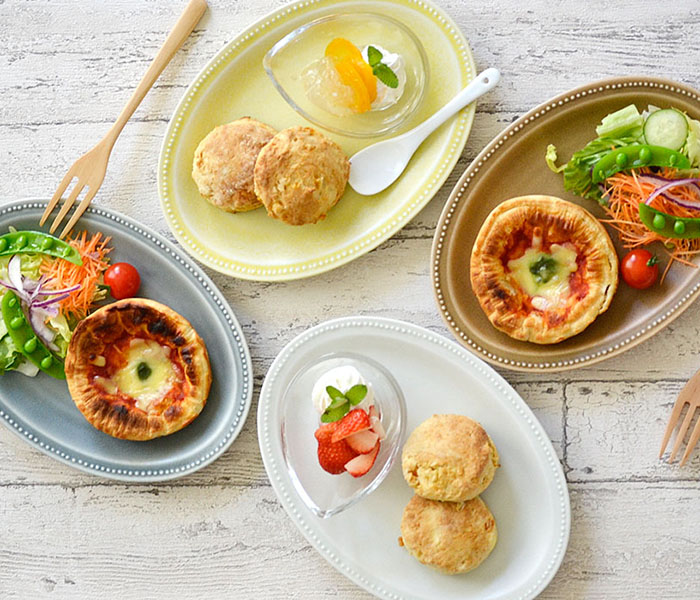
(345, 53)
(368, 78)
(350, 77)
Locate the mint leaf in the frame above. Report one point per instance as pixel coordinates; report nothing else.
(335, 414)
(334, 393)
(386, 75)
(356, 394)
(337, 403)
(374, 56)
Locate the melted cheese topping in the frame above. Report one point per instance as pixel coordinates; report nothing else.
(146, 384)
(544, 293)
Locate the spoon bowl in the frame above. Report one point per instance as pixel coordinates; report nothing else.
(376, 167)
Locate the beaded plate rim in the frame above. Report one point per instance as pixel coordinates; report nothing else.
(351, 250)
(270, 446)
(460, 194)
(245, 392)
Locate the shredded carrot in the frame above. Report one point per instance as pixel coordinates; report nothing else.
(64, 274)
(624, 192)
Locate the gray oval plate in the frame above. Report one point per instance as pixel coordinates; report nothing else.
(41, 411)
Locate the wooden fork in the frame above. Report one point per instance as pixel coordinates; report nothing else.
(90, 168)
(690, 395)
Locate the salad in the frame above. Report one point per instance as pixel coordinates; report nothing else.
(47, 286)
(644, 170)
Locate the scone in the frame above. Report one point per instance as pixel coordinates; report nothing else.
(449, 458)
(453, 537)
(224, 162)
(137, 370)
(543, 269)
(300, 175)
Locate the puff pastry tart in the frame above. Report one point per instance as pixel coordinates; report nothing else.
(543, 269)
(137, 370)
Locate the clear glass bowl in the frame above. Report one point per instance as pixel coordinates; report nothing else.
(325, 494)
(286, 61)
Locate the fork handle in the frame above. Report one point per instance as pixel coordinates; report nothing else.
(184, 26)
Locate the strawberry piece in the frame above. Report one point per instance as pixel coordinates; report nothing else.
(362, 441)
(356, 420)
(332, 456)
(362, 463)
(375, 423)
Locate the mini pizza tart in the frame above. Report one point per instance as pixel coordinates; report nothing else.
(543, 269)
(137, 370)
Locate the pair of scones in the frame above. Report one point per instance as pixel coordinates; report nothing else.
(449, 460)
(297, 174)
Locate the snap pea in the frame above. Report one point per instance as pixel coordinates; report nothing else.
(636, 156)
(684, 228)
(17, 242)
(25, 339)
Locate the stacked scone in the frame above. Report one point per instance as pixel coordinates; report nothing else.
(449, 460)
(297, 174)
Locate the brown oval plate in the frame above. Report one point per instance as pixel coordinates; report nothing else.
(513, 165)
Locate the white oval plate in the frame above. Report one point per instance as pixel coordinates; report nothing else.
(528, 497)
(234, 84)
(40, 410)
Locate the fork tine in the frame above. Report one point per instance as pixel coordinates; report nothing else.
(67, 178)
(681, 432)
(692, 442)
(672, 422)
(82, 207)
(67, 205)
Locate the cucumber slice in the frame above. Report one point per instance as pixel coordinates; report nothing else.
(667, 128)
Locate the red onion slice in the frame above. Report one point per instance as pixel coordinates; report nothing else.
(14, 273)
(50, 301)
(664, 190)
(37, 317)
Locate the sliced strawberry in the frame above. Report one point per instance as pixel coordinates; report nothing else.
(362, 441)
(362, 463)
(375, 422)
(332, 456)
(325, 432)
(356, 420)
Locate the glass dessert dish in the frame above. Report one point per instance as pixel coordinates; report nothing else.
(323, 493)
(295, 67)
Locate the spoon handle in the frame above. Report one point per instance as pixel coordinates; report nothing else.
(484, 82)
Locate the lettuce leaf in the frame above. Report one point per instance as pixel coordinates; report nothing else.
(63, 330)
(550, 158)
(29, 265)
(692, 142)
(577, 172)
(625, 122)
(10, 356)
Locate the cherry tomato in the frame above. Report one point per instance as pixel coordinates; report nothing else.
(640, 269)
(123, 280)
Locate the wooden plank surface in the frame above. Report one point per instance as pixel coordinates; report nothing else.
(66, 69)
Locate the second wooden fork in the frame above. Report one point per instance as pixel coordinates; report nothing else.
(690, 397)
(90, 168)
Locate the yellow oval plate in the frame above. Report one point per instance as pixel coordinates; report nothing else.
(234, 84)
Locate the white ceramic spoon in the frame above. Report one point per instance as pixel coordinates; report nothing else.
(376, 167)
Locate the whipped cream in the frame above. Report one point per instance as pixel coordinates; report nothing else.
(341, 378)
(387, 96)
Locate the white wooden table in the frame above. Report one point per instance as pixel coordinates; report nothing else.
(66, 69)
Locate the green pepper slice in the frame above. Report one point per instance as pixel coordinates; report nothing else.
(636, 156)
(30, 242)
(25, 339)
(680, 228)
